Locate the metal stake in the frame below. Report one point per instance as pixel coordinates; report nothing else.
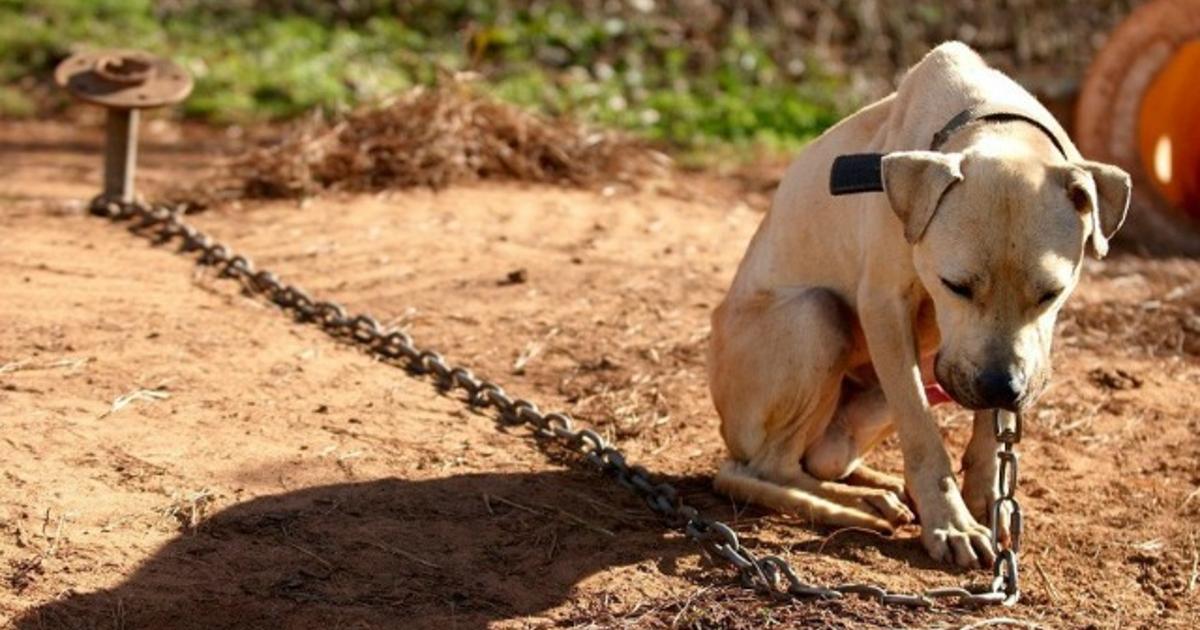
(123, 82)
(120, 154)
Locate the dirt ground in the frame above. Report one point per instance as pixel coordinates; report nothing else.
(178, 454)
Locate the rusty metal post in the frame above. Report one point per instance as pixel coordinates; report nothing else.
(120, 154)
(123, 82)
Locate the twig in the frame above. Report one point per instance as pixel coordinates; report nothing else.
(13, 367)
(601, 506)
(517, 505)
(28, 365)
(738, 510)
(861, 530)
(1195, 566)
(687, 604)
(148, 395)
(119, 614)
(581, 521)
(188, 509)
(532, 349)
(57, 535)
(404, 554)
(553, 545)
(311, 555)
(1050, 588)
(196, 508)
(1189, 498)
(561, 512)
(997, 621)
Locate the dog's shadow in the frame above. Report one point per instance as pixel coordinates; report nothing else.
(462, 551)
(456, 552)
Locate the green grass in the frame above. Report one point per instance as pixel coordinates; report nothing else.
(288, 57)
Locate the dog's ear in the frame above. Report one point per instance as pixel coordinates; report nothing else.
(1101, 191)
(915, 182)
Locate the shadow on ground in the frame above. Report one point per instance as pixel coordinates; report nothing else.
(389, 553)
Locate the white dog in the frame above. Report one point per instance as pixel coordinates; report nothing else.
(847, 312)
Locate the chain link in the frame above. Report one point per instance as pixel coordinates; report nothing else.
(770, 575)
(1006, 578)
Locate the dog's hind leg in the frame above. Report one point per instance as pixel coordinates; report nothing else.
(742, 482)
(869, 477)
(863, 420)
(778, 359)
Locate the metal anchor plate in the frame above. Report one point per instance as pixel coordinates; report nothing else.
(123, 79)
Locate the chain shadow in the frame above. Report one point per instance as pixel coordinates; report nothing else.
(463, 551)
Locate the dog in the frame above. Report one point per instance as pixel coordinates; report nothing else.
(850, 315)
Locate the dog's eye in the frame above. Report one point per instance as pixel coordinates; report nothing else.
(1049, 296)
(960, 290)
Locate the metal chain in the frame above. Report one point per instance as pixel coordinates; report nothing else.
(770, 575)
(1006, 578)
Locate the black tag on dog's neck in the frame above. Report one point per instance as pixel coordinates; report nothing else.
(856, 173)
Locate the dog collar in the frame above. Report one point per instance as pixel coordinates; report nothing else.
(993, 113)
(863, 172)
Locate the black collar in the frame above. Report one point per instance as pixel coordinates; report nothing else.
(863, 172)
(993, 113)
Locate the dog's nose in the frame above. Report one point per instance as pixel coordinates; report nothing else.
(1000, 388)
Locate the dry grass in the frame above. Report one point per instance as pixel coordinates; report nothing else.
(189, 509)
(72, 365)
(433, 137)
(1156, 314)
(142, 394)
(25, 572)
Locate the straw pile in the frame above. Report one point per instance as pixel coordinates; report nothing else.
(436, 137)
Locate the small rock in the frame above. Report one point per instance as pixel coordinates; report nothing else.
(1114, 378)
(518, 276)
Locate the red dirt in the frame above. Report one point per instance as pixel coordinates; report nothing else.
(279, 477)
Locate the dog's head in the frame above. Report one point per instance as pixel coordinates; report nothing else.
(999, 234)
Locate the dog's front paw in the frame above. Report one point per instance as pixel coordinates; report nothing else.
(981, 503)
(962, 541)
(951, 534)
(980, 493)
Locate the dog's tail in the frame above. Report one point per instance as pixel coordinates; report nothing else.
(739, 482)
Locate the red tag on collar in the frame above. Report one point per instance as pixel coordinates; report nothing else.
(936, 395)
